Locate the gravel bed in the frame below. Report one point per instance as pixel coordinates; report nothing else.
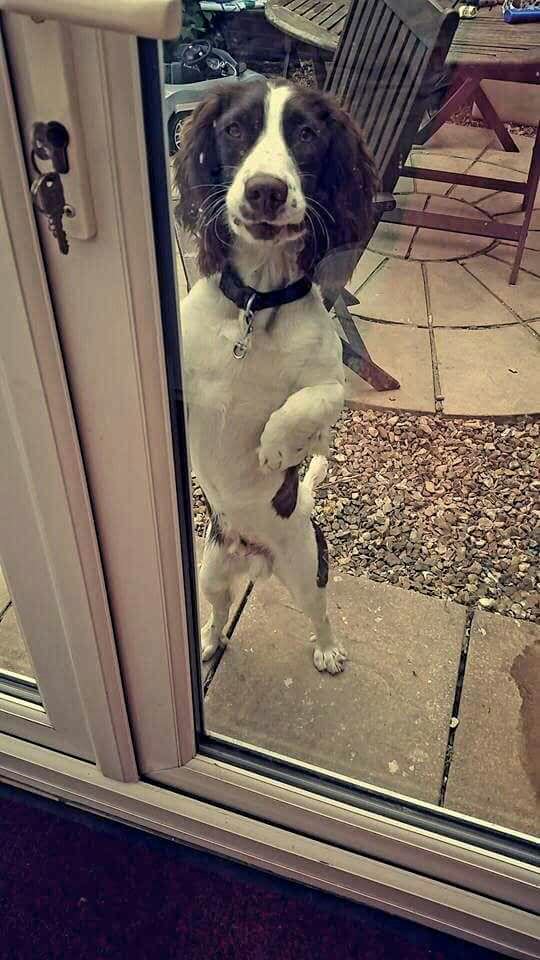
(449, 508)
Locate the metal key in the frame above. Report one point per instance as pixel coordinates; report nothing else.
(49, 199)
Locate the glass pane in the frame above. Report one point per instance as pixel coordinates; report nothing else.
(17, 674)
(419, 533)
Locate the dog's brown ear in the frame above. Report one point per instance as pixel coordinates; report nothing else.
(346, 190)
(197, 174)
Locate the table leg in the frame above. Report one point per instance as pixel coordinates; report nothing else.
(494, 121)
(456, 99)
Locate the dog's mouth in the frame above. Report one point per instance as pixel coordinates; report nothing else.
(264, 230)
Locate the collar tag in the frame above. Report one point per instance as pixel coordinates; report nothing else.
(241, 346)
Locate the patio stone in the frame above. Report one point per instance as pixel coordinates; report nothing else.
(515, 161)
(384, 720)
(437, 161)
(458, 300)
(443, 245)
(470, 194)
(534, 228)
(405, 353)
(394, 239)
(4, 592)
(366, 266)
(13, 653)
(489, 372)
(523, 297)
(458, 141)
(495, 771)
(530, 260)
(377, 298)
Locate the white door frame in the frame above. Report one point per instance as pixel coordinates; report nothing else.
(47, 533)
(108, 311)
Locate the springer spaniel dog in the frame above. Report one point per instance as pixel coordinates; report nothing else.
(276, 185)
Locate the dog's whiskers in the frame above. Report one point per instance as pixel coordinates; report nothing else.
(322, 225)
(325, 210)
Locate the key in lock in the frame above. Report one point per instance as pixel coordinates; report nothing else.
(48, 197)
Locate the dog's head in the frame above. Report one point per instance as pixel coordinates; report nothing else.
(276, 165)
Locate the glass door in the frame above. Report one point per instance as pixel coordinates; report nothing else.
(292, 557)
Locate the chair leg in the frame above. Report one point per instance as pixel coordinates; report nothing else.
(530, 196)
(356, 355)
(363, 365)
(349, 299)
(494, 121)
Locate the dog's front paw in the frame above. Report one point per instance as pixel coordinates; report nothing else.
(274, 456)
(331, 659)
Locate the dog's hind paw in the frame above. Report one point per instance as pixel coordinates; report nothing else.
(332, 660)
(210, 643)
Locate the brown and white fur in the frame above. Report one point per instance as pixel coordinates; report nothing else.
(277, 181)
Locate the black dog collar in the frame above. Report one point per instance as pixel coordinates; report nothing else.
(247, 298)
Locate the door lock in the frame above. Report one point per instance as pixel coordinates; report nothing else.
(50, 142)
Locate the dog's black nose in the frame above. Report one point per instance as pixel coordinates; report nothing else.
(265, 195)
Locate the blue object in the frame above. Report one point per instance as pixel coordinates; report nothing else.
(524, 13)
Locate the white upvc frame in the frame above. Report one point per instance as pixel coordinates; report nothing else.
(47, 532)
(107, 302)
(355, 876)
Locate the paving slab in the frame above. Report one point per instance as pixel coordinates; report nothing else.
(367, 265)
(469, 194)
(489, 372)
(394, 239)
(458, 300)
(377, 297)
(437, 161)
(533, 237)
(406, 354)
(384, 720)
(459, 141)
(443, 245)
(523, 297)
(530, 260)
(516, 161)
(13, 653)
(495, 770)
(4, 592)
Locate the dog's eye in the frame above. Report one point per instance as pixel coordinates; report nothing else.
(234, 131)
(306, 134)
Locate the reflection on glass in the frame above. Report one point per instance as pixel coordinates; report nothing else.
(429, 502)
(14, 656)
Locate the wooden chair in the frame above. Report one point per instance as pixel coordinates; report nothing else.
(382, 71)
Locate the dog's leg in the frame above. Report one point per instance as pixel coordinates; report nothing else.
(215, 581)
(301, 563)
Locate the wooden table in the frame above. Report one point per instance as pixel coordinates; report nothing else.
(508, 51)
(317, 22)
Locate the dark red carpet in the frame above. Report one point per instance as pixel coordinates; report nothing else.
(74, 887)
